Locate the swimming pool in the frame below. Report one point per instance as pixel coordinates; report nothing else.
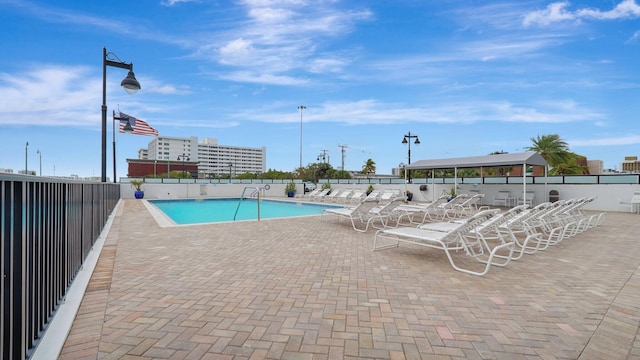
(197, 211)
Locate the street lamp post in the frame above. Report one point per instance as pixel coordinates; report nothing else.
(130, 85)
(183, 157)
(230, 167)
(404, 141)
(40, 155)
(323, 156)
(301, 108)
(26, 159)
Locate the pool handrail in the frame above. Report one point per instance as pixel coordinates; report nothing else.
(256, 192)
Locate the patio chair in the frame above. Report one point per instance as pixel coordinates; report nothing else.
(359, 214)
(449, 241)
(528, 198)
(633, 205)
(501, 198)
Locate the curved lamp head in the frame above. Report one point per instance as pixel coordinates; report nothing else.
(404, 140)
(130, 84)
(417, 142)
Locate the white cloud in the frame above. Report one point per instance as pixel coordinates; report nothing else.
(323, 65)
(262, 78)
(237, 52)
(175, 2)
(554, 12)
(558, 12)
(50, 95)
(634, 37)
(374, 112)
(627, 9)
(279, 37)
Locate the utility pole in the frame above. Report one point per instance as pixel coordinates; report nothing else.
(344, 151)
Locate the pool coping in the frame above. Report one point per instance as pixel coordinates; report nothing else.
(164, 221)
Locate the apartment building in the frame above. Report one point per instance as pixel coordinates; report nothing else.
(213, 159)
(630, 165)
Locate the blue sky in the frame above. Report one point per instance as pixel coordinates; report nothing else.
(468, 77)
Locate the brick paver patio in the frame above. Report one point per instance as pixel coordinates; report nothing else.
(309, 289)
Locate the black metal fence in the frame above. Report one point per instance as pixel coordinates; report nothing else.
(47, 228)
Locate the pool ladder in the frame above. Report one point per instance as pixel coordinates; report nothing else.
(257, 192)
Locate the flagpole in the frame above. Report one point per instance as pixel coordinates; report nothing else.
(114, 147)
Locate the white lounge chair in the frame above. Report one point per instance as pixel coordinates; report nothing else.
(388, 195)
(390, 211)
(360, 214)
(356, 197)
(466, 208)
(331, 195)
(428, 210)
(343, 197)
(450, 241)
(320, 195)
(373, 195)
(311, 194)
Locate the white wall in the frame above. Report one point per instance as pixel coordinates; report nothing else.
(608, 196)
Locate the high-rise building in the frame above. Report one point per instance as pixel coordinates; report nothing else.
(630, 164)
(212, 158)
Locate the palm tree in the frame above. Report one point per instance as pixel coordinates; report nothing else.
(552, 148)
(369, 167)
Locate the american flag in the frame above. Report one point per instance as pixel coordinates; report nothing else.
(140, 127)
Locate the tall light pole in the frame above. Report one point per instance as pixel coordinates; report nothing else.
(404, 141)
(301, 108)
(130, 85)
(40, 154)
(26, 159)
(183, 157)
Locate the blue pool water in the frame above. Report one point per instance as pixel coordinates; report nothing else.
(184, 212)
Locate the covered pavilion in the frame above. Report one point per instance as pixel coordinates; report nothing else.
(520, 159)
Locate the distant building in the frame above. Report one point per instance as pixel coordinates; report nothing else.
(596, 167)
(144, 167)
(630, 165)
(211, 158)
(29, 172)
(6, 171)
(143, 153)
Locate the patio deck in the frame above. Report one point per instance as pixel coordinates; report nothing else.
(310, 289)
